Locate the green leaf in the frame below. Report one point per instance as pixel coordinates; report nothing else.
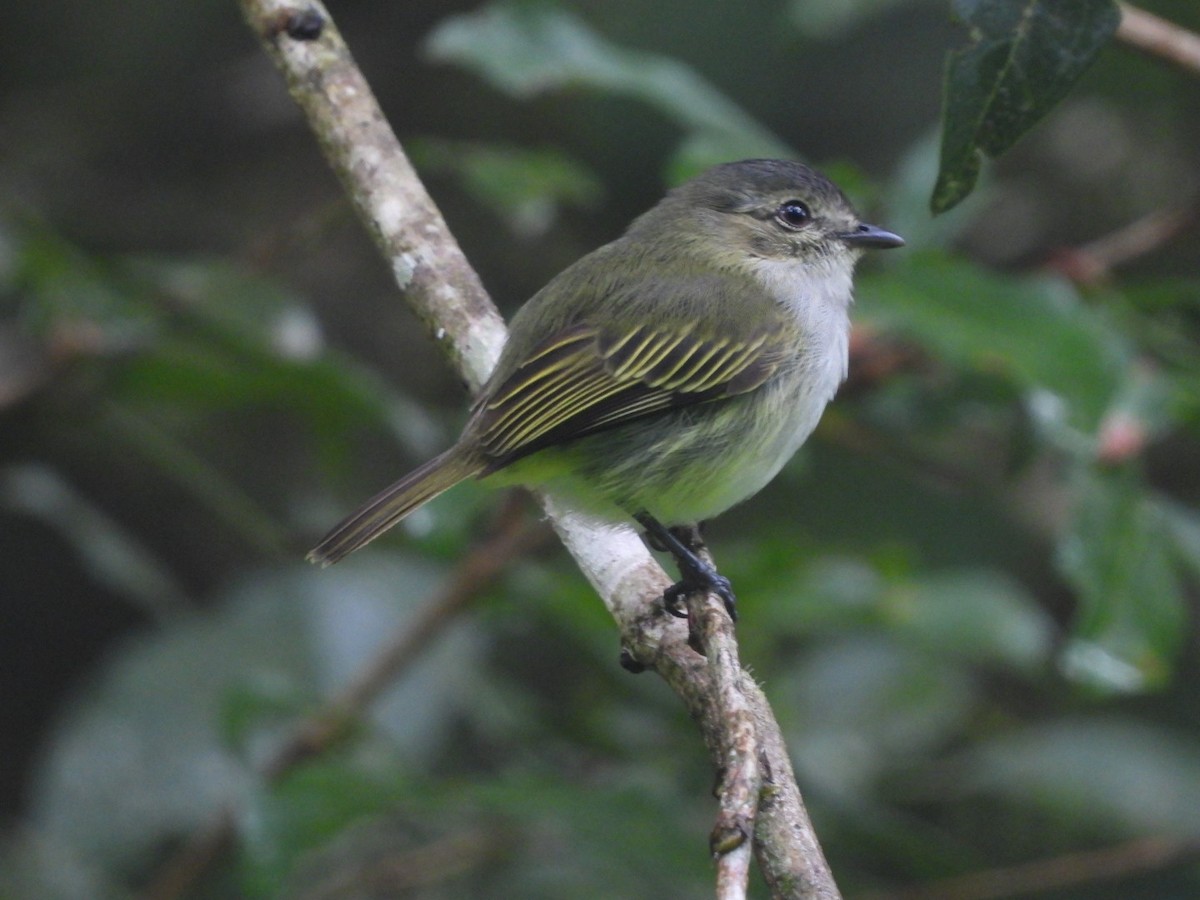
(600, 837)
(831, 21)
(237, 338)
(1184, 525)
(529, 49)
(33, 864)
(854, 707)
(608, 834)
(526, 187)
(976, 616)
(304, 813)
(1021, 58)
(906, 200)
(1120, 554)
(144, 755)
(62, 288)
(1116, 776)
(190, 336)
(1035, 331)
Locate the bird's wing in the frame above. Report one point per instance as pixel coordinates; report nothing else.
(586, 379)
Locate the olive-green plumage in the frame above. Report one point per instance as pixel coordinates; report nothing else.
(671, 372)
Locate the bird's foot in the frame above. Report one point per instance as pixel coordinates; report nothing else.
(696, 574)
(710, 581)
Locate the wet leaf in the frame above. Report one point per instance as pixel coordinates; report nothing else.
(1021, 58)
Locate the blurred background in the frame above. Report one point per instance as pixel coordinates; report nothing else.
(971, 598)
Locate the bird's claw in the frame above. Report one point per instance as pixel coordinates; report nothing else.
(711, 581)
(695, 573)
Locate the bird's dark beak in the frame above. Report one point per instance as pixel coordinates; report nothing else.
(872, 237)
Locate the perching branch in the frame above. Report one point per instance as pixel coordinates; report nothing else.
(758, 794)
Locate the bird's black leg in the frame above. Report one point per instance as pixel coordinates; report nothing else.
(694, 573)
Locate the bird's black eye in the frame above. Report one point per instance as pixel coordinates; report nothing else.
(793, 214)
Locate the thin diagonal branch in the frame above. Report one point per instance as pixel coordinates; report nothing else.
(439, 284)
(1093, 263)
(513, 536)
(1160, 38)
(1070, 870)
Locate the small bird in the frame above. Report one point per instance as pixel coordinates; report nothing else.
(670, 374)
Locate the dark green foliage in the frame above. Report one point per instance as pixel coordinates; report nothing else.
(971, 598)
(1022, 57)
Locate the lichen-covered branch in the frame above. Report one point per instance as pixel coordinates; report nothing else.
(758, 791)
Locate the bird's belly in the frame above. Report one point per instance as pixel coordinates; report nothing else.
(742, 467)
(686, 467)
(748, 469)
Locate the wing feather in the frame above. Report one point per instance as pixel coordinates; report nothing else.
(585, 380)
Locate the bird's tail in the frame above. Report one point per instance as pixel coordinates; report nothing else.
(391, 505)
